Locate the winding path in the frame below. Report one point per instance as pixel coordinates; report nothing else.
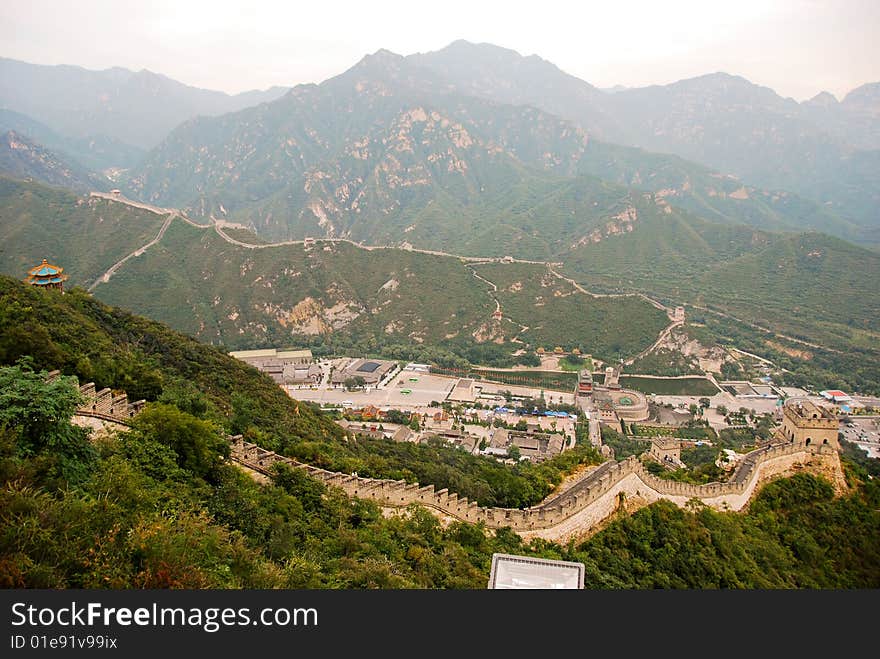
(494, 296)
(663, 336)
(219, 225)
(103, 279)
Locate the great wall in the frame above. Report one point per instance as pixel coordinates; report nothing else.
(577, 510)
(102, 409)
(582, 507)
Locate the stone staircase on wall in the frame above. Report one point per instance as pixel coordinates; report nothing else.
(104, 404)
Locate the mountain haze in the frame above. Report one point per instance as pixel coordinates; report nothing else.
(385, 153)
(96, 153)
(723, 121)
(136, 108)
(24, 159)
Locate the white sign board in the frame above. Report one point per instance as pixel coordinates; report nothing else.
(513, 572)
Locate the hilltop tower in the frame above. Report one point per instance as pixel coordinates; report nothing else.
(805, 423)
(47, 275)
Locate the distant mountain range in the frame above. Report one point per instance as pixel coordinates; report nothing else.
(451, 151)
(22, 158)
(393, 152)
(354, 157)
(820, 149)
(97, 153)
(138, 108)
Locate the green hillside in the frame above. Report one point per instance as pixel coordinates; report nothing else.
(158, 506)
(24, 158)
(81, 336)
(803, 278)
(330, 293)
(712, 196)
(291, 294)
(556, 314)
(797, 283)
(84, 235)
(343, 299)
(136, 511)
(821, 150)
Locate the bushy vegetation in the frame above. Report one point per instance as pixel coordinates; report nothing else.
(554, 380)
(558, 315)
(138, 511)
(666, 362)
(691, 430)
(83, 337)
(737, 438)
(851, 360)
(422, 306)
(760, 278)
(795, 535)
(623, 445)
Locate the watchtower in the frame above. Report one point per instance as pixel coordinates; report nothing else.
(804, 422)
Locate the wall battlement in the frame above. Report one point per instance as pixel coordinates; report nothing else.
(584, 504)
(104, 404)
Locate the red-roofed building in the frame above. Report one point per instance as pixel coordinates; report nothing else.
(836, 396)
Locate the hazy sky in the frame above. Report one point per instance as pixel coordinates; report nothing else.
(797, 47)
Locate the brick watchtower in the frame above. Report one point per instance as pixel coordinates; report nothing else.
(805, 423)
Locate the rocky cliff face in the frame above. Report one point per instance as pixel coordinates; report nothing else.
(23, 158)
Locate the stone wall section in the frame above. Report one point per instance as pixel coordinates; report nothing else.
(105, 405)
(582, 506)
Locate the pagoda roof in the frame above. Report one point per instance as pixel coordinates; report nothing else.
(45, 269)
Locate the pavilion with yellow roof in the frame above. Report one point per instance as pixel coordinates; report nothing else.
(47, 275)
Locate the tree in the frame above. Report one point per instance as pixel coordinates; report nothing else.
(513, 452)
(298, 483)
(705, 402)
(722, 410)
(356, 382)
(39, 414)
(521, 425)
(198, 444)
(243, 413)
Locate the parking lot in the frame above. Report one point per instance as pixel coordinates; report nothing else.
(411, 390)
(422, 388)
(865, 432)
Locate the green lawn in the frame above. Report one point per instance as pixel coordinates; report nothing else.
(678, 387)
